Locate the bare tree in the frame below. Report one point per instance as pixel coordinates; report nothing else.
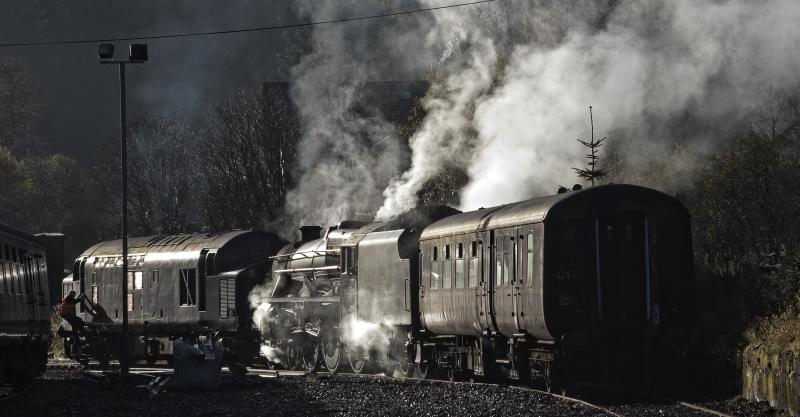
(248, 149)
(18, 109)
(167, 179)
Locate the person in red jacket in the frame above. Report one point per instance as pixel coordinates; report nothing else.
(68, 311)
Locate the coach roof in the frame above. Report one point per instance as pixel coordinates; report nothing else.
(536, 210)
(166, 243)
(8, 229)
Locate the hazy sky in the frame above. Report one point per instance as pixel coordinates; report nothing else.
(80, 97)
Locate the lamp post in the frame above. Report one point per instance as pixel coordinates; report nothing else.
(137, 53)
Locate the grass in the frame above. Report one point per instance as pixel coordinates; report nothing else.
(780, 332)
(56, 350)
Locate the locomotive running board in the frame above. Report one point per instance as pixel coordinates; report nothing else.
(311, 269)
(272, 300)
(305, 254)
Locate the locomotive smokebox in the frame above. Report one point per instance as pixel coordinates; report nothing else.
(309, 233)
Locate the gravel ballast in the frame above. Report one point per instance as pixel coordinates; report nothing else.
(318, 395)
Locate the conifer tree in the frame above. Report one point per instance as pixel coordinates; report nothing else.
(592, 172)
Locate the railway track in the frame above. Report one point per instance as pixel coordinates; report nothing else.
(611, 411)
(626, 410)
(12, 395)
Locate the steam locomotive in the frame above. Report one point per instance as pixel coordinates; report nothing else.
(575, 289)
(193, 286)
(24, 306)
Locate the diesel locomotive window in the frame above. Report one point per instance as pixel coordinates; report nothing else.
(447, 268)
(137, 280)
(460, 266)
(187, 285)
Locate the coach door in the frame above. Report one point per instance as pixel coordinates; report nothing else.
(487, 281)
(153, 309)
(504, 248)
(475, 281)
(623, 268)
(202, 272)
(528, 288)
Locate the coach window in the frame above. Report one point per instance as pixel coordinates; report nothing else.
(38, 269)
(154, 278)
(435, 268)
(507, 246)
(460, 266)
(18, 268)
(26, 272)
(3, 283)
(529, 265)
(447, 269)
(187, 284)
(473, 265)
(498, 250)
(9, 280)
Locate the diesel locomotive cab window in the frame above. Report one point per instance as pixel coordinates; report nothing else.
(187, 285)
(447, 268)
(460, 266)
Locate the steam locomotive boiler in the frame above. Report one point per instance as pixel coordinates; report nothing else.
(346, 296)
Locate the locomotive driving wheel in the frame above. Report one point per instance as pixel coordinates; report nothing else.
(331, 353)
(403, 366)
(549, 384)
(309, 355)
(292, 359)
(357, 359)
(421, 371)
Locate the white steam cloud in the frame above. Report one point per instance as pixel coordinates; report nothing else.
(348, 152)
(641, 64)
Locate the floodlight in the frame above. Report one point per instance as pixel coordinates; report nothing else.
(138, 52)
(105, 51)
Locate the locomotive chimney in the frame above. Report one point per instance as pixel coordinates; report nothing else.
(308, 233)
